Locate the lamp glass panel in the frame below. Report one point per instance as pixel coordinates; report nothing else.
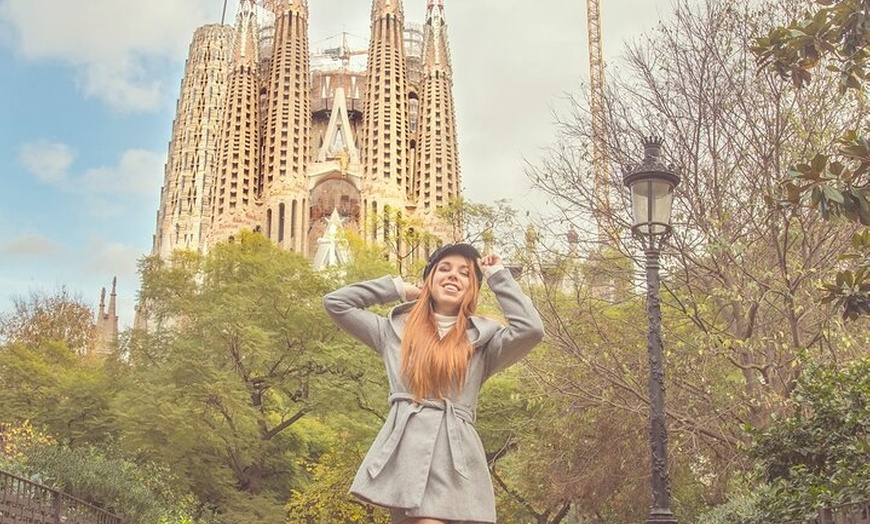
(651, 202)
(640, 202)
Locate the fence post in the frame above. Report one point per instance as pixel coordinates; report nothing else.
(56, 506)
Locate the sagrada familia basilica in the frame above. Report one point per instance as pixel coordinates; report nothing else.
(269, 136)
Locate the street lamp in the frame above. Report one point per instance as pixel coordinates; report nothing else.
(652, 194)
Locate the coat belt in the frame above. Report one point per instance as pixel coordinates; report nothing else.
(452, 412)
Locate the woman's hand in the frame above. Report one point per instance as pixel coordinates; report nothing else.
(488, 261)
(412, 292)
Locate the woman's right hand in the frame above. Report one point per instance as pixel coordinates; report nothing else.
(412, 292)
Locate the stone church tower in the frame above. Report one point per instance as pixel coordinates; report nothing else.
(106, 324)
(184, 216)
(269, 139)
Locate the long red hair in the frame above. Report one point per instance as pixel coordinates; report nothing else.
(433, 366)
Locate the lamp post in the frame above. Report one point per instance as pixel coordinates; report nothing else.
(652, 193)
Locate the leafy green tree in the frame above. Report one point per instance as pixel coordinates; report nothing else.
(836, 34)
(57, 390)
(487, 226)
(581, 431)
(372, 260)
(405, 241)
(399, 238)
(835, 178)
(518, 430)
(228, 385)
(739, 509)
(16, 440)
(819, 455)
(58, 424)
(101, 477)
(44, 317)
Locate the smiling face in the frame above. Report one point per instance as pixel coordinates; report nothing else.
(450, 281)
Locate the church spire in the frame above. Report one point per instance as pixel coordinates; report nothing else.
(238, 170)
(287, 129)
(385, 122)
(184, 215)
(383, 8)
(437, 167)
(113, 307)
(245, 48)
(102, 311)
(281, 7)
(436, 51)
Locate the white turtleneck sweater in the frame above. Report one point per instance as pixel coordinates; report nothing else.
(445, 323)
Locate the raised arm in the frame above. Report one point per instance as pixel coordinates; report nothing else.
(524, 329)
(348, 308)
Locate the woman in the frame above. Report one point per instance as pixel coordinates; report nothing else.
(427, 464)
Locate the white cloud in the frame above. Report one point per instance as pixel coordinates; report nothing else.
(106, 258)
(123, 84)
(107, 190)
(117, 46)
(138, 172)
(29, 246)
(48, 161)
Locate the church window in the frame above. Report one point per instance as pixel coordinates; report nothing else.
(281, 218)
(294, 212)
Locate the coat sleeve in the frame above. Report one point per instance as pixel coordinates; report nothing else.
(524, 329)
(347, 307)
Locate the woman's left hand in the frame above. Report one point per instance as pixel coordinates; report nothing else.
(489, 261)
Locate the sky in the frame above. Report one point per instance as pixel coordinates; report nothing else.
(89, 89)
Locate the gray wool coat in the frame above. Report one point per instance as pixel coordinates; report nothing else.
(428, 460)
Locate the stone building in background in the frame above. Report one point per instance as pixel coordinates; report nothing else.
(106, 323)
(271, 137)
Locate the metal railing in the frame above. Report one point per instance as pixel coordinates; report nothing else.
(855, 513)
(852, 513)
(26, 502)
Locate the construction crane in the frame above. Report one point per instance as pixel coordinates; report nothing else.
(344, 52)
(601, 205)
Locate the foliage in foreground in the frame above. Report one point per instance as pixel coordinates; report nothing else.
(819, 456)
(816, 457)
(102, 476)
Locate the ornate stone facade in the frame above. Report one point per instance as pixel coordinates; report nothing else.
(263, 140)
